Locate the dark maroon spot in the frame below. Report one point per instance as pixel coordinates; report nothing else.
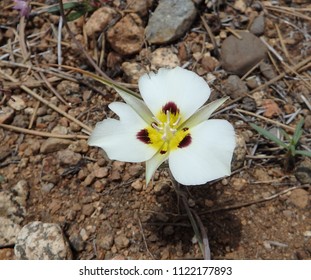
(171, 107)
(143, 136)
(162, 152)
(185, 142)
(185, 129)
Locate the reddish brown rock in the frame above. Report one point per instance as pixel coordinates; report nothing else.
(99, 20)
(127, 36)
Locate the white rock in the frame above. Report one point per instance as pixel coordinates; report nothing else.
(41, 241)
(17, 103)
(164, 57)
(8, 231)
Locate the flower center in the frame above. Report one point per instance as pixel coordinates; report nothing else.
(163, 134)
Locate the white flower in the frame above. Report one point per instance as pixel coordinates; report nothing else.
(169, 125)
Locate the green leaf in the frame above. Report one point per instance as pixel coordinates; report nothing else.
(303, 153)
(268, 135)
(75, 15)
(71, 5)
(298, 132)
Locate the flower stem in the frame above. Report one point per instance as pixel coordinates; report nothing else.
(195, 221)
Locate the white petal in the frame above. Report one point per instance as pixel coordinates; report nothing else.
(209, 155)
(118, 137)
(183, 87)
(138, 105)
(204, 113)
(153, 164)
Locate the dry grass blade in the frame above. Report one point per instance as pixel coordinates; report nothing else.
(265, 119)
(44, 101)
(42, 133)
(289, 11)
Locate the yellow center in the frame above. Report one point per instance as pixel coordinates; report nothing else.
(164, 134)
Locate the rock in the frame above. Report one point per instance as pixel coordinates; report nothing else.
(105, 236)
(20, 121)
(68, 157)
(8, 231)
(140, 7)
(303, 171)
(168, 230)
(12, 206)
(170, 20)
(105, 241)
(88, 209)
(68, 87)
(239, 56)
(249, 104)
(21, 192)
(135, 170)
(209, 63)
(17, 103)
(239, 152)
(161, 187)
(99, 20)
(133, 71)
(238, 183)
(252, 83)
(307, 124)
(6, 114)
(127, 36)
(101, 172)
(164, 58)
(41, 241)
(235, 87)
(299, 198)
(7, 253)
(267, 70)
(89, 180)
(84, 234)
(121, 241)
(60, 129)
(80, 146)
(240, 5)
(137, 185)
(52, 145)
(76, 242)
(258, 25)
(271, 108)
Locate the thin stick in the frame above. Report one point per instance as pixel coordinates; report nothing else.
(210, 34)
(42, 133)
(144, 238)
(234, 32)
(245, 204)
(251, 70)
(59, 40)
(265, 119)
(282, 43)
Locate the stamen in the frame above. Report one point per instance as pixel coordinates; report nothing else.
(177, 122)
(156, 127)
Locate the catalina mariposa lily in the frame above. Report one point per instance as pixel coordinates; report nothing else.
(169, 124)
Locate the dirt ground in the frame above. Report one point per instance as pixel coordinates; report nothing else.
(261, 211)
